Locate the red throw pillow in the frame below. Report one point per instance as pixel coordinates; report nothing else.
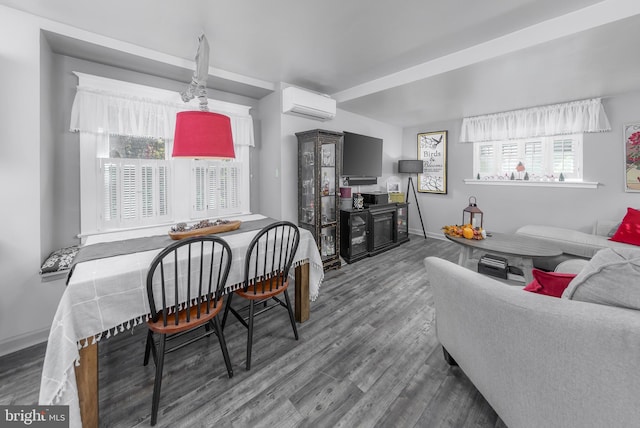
(629, 230)
(549, 283)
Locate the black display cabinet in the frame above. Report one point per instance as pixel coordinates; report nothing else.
(319, 154)
(372, 230)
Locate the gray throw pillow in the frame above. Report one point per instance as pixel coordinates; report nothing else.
(612, 277)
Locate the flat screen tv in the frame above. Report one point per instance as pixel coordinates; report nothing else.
(361, 156)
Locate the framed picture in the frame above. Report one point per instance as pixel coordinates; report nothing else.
(393, 186)
(632, 157)
(432, 150)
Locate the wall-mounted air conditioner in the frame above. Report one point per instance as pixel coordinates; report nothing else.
(307, 104)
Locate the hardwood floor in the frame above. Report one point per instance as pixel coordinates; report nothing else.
(368, 357)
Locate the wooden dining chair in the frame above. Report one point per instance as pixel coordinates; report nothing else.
(266, 276)
(185, 283)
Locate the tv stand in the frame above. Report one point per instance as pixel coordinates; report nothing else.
(373, 230)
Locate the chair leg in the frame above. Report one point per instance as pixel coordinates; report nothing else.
(158, 381)
(250, 334)
(223, 345)
(147, 347)
(226, 310)
(291, 317)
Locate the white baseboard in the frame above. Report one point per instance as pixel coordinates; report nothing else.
(23, 341)
(429, 234)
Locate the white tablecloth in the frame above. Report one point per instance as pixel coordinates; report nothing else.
(109, 295)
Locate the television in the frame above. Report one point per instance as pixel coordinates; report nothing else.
(361, 156)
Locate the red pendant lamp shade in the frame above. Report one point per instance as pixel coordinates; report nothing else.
(202, 134)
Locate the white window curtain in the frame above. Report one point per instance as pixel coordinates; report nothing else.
(113, 111)
(558, 119)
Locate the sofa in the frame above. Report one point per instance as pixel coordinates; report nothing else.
(544, 361)
(573, 243)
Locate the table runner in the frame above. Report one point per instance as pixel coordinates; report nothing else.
(136, 245)
(109, 296)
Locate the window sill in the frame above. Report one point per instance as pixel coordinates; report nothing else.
(572, 184)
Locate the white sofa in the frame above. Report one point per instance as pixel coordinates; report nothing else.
(573, 243)
(539, 361)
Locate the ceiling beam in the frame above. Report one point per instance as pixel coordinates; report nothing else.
(150, 55)
(587, 18)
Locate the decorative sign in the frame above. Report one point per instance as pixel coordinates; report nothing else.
(432, 151)
(632, 157)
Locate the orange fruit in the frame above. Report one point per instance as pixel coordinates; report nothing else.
(467, 232)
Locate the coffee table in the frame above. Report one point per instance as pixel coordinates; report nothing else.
(519, 250)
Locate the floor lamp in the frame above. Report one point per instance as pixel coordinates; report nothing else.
(412, 167)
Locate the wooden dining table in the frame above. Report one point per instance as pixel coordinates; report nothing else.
(107, 295)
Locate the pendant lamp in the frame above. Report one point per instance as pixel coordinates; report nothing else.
(202, 134)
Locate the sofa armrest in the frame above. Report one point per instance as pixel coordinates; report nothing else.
(539, 360)
(570, 241)
(604, 227)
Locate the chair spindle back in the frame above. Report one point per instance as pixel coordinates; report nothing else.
(185, 274)
(270, 255)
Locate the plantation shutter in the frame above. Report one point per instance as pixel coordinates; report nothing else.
(230, 184)
(129, 203)
(564, 157)
(487, 159)
(163, 190)
(216, 188)
(135, 192)
(533, 157)
(509, 158)
(147, 190)
(199, 189)
(111, 181)
(212, 188)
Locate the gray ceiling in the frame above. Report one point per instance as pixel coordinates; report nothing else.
(404, 62)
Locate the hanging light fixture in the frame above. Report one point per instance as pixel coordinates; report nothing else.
(202, 134)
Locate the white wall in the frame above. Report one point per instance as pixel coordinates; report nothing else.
(507, 208)
(268, 152)
(27, 305)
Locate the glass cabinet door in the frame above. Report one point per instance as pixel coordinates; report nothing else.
(358, 233)
(328, 242)
(402, 217)
(307, 178)
(328, 184)
(328, 201)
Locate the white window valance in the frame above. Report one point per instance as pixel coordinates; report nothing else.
(106, 106)
(558, 119)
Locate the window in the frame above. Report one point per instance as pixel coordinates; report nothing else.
(127, 181)
(134, 192)
(538, 159)
(215, 189)
(134, 182)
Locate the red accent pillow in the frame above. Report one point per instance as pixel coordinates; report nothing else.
(629, 230)
(549, 283)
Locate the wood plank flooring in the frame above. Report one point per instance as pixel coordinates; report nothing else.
(368, 357)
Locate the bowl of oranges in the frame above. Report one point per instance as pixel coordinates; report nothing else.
(466, 231)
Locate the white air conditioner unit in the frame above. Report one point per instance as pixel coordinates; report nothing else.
(307, 104)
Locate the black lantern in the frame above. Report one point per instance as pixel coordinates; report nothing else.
(472, 214)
